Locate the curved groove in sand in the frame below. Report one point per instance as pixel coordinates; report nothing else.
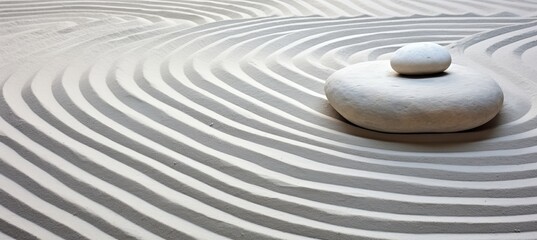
(128, 120)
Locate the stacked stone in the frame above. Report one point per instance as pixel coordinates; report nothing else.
(421, 59)
(413, 93)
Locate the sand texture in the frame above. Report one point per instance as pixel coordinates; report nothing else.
(207, 119)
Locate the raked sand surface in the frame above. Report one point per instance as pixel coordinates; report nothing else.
(208, 120)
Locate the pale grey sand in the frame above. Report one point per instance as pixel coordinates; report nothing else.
(208, 120)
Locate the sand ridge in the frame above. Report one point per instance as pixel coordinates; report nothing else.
(207, 120)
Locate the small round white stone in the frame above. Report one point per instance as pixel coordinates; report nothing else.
(373, 96)
(421, 59)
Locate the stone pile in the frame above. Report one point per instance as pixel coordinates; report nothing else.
(417, 91)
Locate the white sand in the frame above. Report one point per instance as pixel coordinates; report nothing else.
(207, 120)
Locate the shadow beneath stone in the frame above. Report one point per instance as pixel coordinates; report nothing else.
(442, 74)
(427, 140)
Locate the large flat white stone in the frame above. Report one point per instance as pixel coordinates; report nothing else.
(373, 96)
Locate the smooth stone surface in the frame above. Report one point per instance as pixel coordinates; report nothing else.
(421, 59)
(373, 96)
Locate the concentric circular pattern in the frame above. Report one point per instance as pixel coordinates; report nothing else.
(204, 11)
(130, 125)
